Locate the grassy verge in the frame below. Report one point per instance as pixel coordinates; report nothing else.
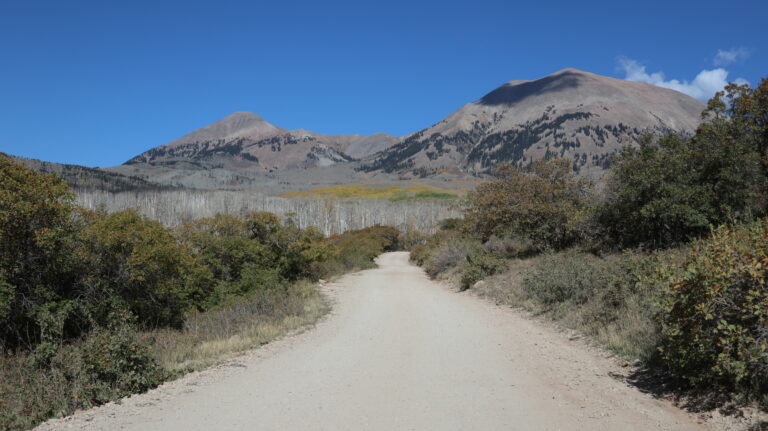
(238, 326)
(31, 392)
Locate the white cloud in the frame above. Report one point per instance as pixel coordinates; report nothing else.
(703, 86)
(727, 56)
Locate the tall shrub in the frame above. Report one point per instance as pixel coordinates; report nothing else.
(715, 315)
(546, 204)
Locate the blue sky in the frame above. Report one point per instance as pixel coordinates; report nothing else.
(96, 83)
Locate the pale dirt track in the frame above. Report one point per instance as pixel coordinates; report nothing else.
(400, 352)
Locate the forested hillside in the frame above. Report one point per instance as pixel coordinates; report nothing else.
(84, 178)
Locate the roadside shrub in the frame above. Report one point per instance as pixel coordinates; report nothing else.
(411, 238)
(546, 204)
(568, 277)
(108, 364)
(38, 222)
(419, 254)
(357, 249)
(118, 361)
(510, 246)
(227, 245)
(131, 262)
(480, 264)
(449, 254)
(715, 315)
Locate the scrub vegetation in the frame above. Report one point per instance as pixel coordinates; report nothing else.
(96, 306)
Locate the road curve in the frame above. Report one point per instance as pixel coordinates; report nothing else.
(400, 352)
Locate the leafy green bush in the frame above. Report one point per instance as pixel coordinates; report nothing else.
(227, 245)
(131, 262)
(38, 223)
(715, 315)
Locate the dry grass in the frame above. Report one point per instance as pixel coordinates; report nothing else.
(233, 328)
(359, 191)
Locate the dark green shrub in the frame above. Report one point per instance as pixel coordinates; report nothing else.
(227, 244)
(479, 265)
(119, 362)
(357, 249)
(673, 190)
(715, 314)
(109, 364)
(131, 262)
(38, 223)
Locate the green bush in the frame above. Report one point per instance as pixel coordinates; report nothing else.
(570, 277)
(671, 191)
(119, 362)
(227, 245)
(108, 364)
(715, 314)
(546, 204)
(131, 262)
(357, 249)
(38, 223)
(480, 264)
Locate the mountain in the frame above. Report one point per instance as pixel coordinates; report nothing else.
(574, 114)
(245, 141)
(571, 113)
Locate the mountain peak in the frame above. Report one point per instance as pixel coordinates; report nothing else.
(570, 70)
(514, 92)
(236, 124)
(243, 115)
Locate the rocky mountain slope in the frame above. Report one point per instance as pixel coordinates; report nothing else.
(572, 114)
(246, 141)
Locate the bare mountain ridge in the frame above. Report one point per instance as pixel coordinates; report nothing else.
(571, 113)
(574, 114)
(246, 141)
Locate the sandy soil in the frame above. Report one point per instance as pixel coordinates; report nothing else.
(401, 352)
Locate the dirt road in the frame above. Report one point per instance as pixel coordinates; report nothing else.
(400, 352)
